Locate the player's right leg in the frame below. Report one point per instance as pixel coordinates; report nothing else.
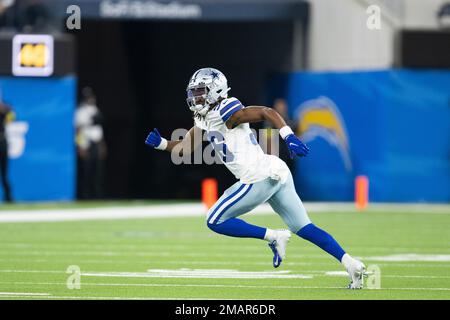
(288, 205)
(240, 199)
(237, 200)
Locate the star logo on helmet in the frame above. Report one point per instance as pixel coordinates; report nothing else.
(214, 75)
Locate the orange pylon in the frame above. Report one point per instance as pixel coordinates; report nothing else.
(361, 192)
(209, 192)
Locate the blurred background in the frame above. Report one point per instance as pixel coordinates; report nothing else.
(365, 83)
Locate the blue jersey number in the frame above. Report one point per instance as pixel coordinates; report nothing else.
(218, 143)
(253, 139)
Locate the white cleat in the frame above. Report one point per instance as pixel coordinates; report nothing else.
(356, 272)
(278, 246)
(282, 239)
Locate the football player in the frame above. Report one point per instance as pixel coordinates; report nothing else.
(262, 177)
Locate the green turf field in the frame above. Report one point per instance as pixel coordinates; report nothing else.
(174, 258)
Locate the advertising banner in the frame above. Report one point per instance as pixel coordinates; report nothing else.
(42, 157)
(392, 126)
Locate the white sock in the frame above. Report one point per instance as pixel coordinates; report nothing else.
(270, 235)
(346, 260)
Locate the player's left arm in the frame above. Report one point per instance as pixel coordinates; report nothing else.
(256, 114)
(259, 113)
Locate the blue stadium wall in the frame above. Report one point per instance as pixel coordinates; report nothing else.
(42, 158)
(392, 126)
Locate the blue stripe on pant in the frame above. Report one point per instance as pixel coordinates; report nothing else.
(233, 227)
(242, 198)
(224, 204)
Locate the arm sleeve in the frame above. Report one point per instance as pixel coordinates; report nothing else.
(230, 108)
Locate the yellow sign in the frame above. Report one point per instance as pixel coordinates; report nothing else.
(32, 55)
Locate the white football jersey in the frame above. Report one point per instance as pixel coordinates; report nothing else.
(238, 148)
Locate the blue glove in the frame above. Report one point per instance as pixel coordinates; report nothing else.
(153, 139)
(296, 146)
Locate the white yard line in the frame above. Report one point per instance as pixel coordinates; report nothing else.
(201, 274)
(405, 257)
(111, 298)
(114, 213)
(165, 262)
(345, 274)
(32, 271)
(209, 262)
(224, 274)
(230, 246)
(192, 210)
(158, 285)
(263, 255)
(201, 286)
(378, 207)
(25, 294)
(188, 285)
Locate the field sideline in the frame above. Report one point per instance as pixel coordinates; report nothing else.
(160, 250)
